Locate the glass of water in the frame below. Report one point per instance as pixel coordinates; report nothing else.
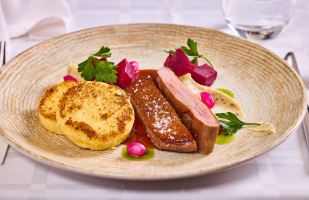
(257, 19)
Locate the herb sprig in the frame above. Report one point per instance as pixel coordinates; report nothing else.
(231, 123)
(191, 53)
(103, 70)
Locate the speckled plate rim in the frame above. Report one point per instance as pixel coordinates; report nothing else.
(166, 175)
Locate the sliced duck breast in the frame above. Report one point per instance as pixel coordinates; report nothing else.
(200, 121)
(163, 125)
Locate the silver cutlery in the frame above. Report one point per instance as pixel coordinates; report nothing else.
(306, 118)
(3, 143)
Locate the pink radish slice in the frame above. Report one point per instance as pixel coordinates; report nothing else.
(125, 74)
(135, 66)
(68, 77)
(207, 99)
(136, 149)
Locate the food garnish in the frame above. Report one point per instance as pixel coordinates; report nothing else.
(223, 102)
(183, 61)
(263, 130)
(125, 74)
(135, 66)
(147, 156)
(204, 75)
(231, 123)
(207, 99)
(69, 77)
(179, 63)
(191, 53)
(102, 71)
(136, 149)
(73, 71)
(226, 91)
(223, 139)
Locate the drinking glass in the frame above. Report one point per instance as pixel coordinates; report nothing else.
(257, 19)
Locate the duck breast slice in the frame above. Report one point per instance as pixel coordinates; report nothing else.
(163, 125)
(200, 121)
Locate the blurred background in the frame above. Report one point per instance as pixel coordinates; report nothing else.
(74, 15)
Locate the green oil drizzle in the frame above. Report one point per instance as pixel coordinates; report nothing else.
(226, 91)
(224, 139)
(147, 156)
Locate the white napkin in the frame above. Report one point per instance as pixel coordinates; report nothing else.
(37, 18)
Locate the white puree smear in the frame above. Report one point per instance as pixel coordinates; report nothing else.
(223, 102)
(72, 71)
(259, 131)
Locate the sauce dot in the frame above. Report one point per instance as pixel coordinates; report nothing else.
(136, 149)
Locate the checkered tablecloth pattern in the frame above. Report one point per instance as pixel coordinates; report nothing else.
(283, 173)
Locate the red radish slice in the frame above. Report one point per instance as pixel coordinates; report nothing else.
(207, 99)
(69, 77)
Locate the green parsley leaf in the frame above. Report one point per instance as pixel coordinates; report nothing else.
(193, 46)
(170, 52)
(87, 69)
(187, 51)
(231, 123)
(104, 71)
(104, 52)
(191, 53)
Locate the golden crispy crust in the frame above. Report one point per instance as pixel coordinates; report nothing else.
(106, 102)
(52, 97)
(46, 113)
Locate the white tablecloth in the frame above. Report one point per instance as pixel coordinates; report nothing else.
(283, 173)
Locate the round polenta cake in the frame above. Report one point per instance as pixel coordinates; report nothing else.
(48, 105)
(95, 115)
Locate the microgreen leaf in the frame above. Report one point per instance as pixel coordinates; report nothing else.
(231, 123)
